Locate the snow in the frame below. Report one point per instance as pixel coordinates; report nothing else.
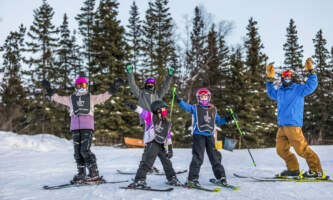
(29, 162)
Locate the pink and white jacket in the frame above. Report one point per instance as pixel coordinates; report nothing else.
(81, 121)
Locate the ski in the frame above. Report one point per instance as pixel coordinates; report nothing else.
(232, 187)
(278, 179)
(198, 188)
(90, 183)
(290, 179)
(154, 172)
(149, 189)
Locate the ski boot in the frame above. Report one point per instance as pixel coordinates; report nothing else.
(221, 181)
(193, 183)
(80, 177)
(312, 174)
(138, 184)
(93, 175)
(174, 181)
(288, 173)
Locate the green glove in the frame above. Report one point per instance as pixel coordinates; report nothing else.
(171, 70)
(129, 68)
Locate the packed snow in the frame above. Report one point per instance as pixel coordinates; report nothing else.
(29, 162)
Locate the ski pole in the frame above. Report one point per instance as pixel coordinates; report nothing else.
(173, 99)
(242, 136)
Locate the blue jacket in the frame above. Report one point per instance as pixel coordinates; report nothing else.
(191, 109)
(290, 100)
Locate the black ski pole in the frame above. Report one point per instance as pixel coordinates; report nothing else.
(242, 136)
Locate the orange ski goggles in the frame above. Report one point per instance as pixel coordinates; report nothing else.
(81, 85)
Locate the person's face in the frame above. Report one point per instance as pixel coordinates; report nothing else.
(204, 97)
(287, 78)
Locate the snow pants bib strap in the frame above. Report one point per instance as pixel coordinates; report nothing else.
(288, 136)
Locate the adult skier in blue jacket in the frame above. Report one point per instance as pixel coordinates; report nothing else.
(290, 107)
(204, 119)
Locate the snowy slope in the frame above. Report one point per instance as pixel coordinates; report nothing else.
(29, 162)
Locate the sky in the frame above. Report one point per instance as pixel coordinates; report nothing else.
(273, 18)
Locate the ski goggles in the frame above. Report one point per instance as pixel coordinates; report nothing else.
(150, 81)
(287, 74)
(81, 85)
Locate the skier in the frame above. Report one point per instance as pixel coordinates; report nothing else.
(149, 94)
(290, 105)
(157, 133)
(81, 108)
(204, 115)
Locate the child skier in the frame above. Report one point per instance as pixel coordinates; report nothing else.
(149, 94)
(81, 108)
(205, 117)
(290, 105)
(157, 134)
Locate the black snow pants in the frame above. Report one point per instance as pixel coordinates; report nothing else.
(82, 141)
(152, 150)
(200, 143)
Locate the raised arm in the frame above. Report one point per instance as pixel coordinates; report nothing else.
(271, 91)
(186, 106)
(100, 98)
(131, 81)
(312, 82)
(310, 85)
(64, 100)
(144, 114)
(166, 84)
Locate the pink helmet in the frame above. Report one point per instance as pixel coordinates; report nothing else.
(81, 80)
(203, 91)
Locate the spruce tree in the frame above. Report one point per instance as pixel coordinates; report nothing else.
(12, 93)
(113, 120)
(293, 51)
(76, 57)
(42, 44)
(64, 58)
(318, 123)
(134, 37)
(148, 42)
(158, 40)
(260, 112)
(86, 20)
(196, 56)
(66, 63)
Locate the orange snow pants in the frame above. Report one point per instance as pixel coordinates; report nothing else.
(293, 136)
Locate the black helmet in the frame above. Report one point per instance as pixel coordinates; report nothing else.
(158, 104)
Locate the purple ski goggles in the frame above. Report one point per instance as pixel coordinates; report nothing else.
(150, 80)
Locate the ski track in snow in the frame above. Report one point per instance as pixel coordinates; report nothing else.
(29, 162)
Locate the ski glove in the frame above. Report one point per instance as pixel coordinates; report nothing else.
(308, 66)
(176, 97)
(171, 70)
(116, 85)
(229, 118)
(129, 68)
(130, 105)
(46, 84)
(270, 71)
(170, 152)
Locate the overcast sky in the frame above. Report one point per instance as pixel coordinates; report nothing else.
(272, 15)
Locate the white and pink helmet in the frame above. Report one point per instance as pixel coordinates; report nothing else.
(203, 91)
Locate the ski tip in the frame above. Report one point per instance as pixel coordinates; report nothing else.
(236, 188)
